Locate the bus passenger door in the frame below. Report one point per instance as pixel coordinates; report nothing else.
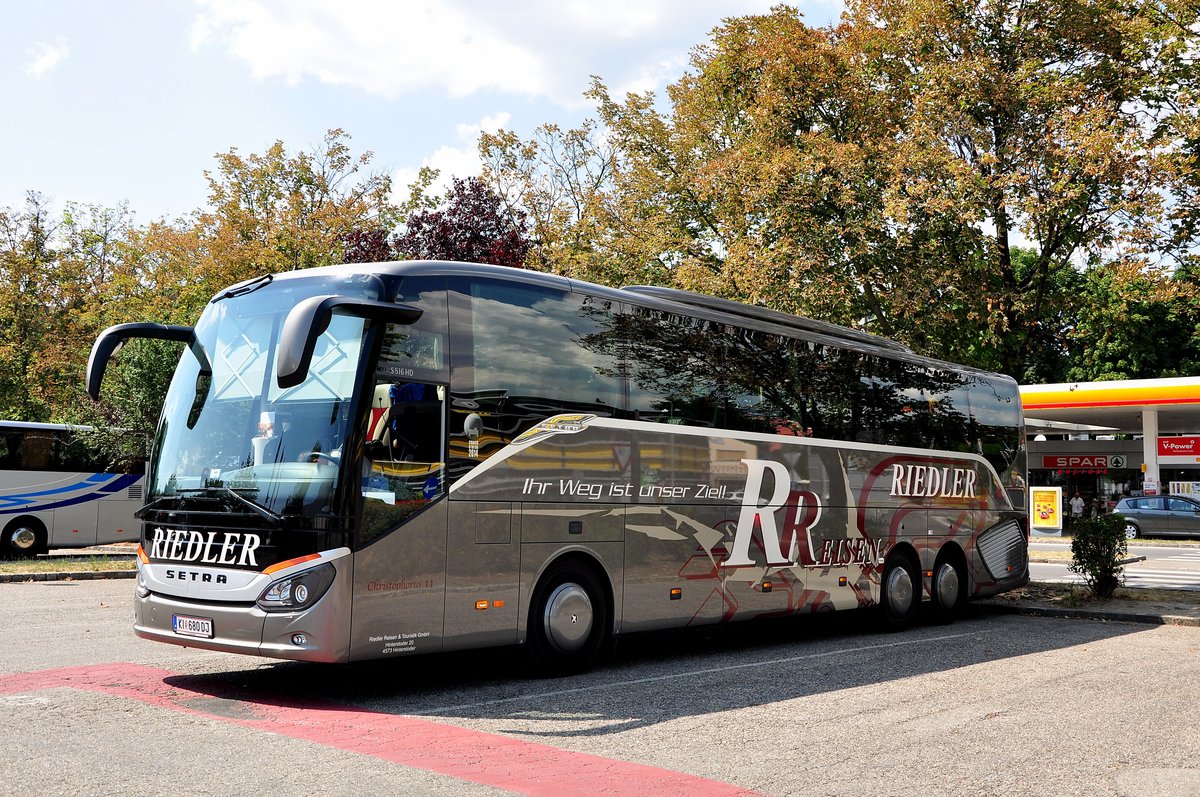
(400, 566)
(400, 589)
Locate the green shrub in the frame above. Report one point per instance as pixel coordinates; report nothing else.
(1097, 548)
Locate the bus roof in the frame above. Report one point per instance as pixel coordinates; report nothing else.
(45, 427)
(766, 314)
(686, 303)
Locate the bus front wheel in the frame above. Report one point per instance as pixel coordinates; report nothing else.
(569, 620)
(900, 591)
(24, 538)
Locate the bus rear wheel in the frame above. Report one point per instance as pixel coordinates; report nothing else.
(24, 538)
(949, 587)
(899, 593)
(569, 620)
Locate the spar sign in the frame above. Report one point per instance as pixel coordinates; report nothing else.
(1083, 461)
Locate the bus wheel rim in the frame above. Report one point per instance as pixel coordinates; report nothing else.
(947, 585)
(900, 590)
(24, 538)
(568, 618)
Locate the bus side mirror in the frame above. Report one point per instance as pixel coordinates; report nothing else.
(308, 319)
(110, 341)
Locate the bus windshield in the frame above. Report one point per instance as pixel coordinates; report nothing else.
(227, 425)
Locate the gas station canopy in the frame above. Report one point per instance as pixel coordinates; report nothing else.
(1124, 407)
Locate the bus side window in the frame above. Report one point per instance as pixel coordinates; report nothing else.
(672, 364)
(523, 353)
(404, 461)
(36, 451)
(10, 451)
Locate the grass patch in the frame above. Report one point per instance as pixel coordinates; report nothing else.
(1184, 596)
(69, 564)
(1153, 542)
(1050, 556)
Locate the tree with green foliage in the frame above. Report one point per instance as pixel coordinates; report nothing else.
(1098, 548)
(280, 212)
(886, 171)
(562, 180)
(64, 278)
(28, 275)
(1041, 120)
(1134, 322)
(1053, 344)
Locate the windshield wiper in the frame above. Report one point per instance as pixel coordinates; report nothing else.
(140, 514)
(256, 508)
(248, 286)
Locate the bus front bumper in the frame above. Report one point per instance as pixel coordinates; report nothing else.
(316, 634)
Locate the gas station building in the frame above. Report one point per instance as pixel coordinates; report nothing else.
(1108, 439)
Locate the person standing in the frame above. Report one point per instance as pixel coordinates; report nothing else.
(1076, 505)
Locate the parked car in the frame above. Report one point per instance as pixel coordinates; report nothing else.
(1152, 515)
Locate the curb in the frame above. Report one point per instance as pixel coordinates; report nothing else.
(1046, 560)
(90, 575)
(1094, 614)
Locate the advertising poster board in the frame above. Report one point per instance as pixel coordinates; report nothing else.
(1045, 511)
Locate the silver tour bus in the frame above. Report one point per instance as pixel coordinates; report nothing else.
(387, 459)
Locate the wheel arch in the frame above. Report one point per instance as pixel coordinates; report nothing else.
(1131, 523)
(907, 549)
(953, 551)
(937, 581)
(33, 522)
(575, 557)
(899, 586)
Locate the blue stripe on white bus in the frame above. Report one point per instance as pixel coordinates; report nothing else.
(11, 504)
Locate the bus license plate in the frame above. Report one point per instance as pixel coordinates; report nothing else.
(192, 626)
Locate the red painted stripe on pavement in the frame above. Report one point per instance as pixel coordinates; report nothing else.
(477, 756)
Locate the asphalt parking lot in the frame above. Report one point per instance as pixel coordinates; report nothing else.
(994, 704)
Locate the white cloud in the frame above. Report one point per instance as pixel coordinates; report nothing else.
(45, 58)
(538, 48)
(650, 77)
(380, 48)
(620, 18)
(461, 161)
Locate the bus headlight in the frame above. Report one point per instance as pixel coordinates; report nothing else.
(142, 589)
(297, 592)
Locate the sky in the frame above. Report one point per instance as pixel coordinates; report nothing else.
(130, 100)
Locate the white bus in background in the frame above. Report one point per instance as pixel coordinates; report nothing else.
(56, 493)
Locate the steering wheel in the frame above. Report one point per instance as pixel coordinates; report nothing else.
(319, 457)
